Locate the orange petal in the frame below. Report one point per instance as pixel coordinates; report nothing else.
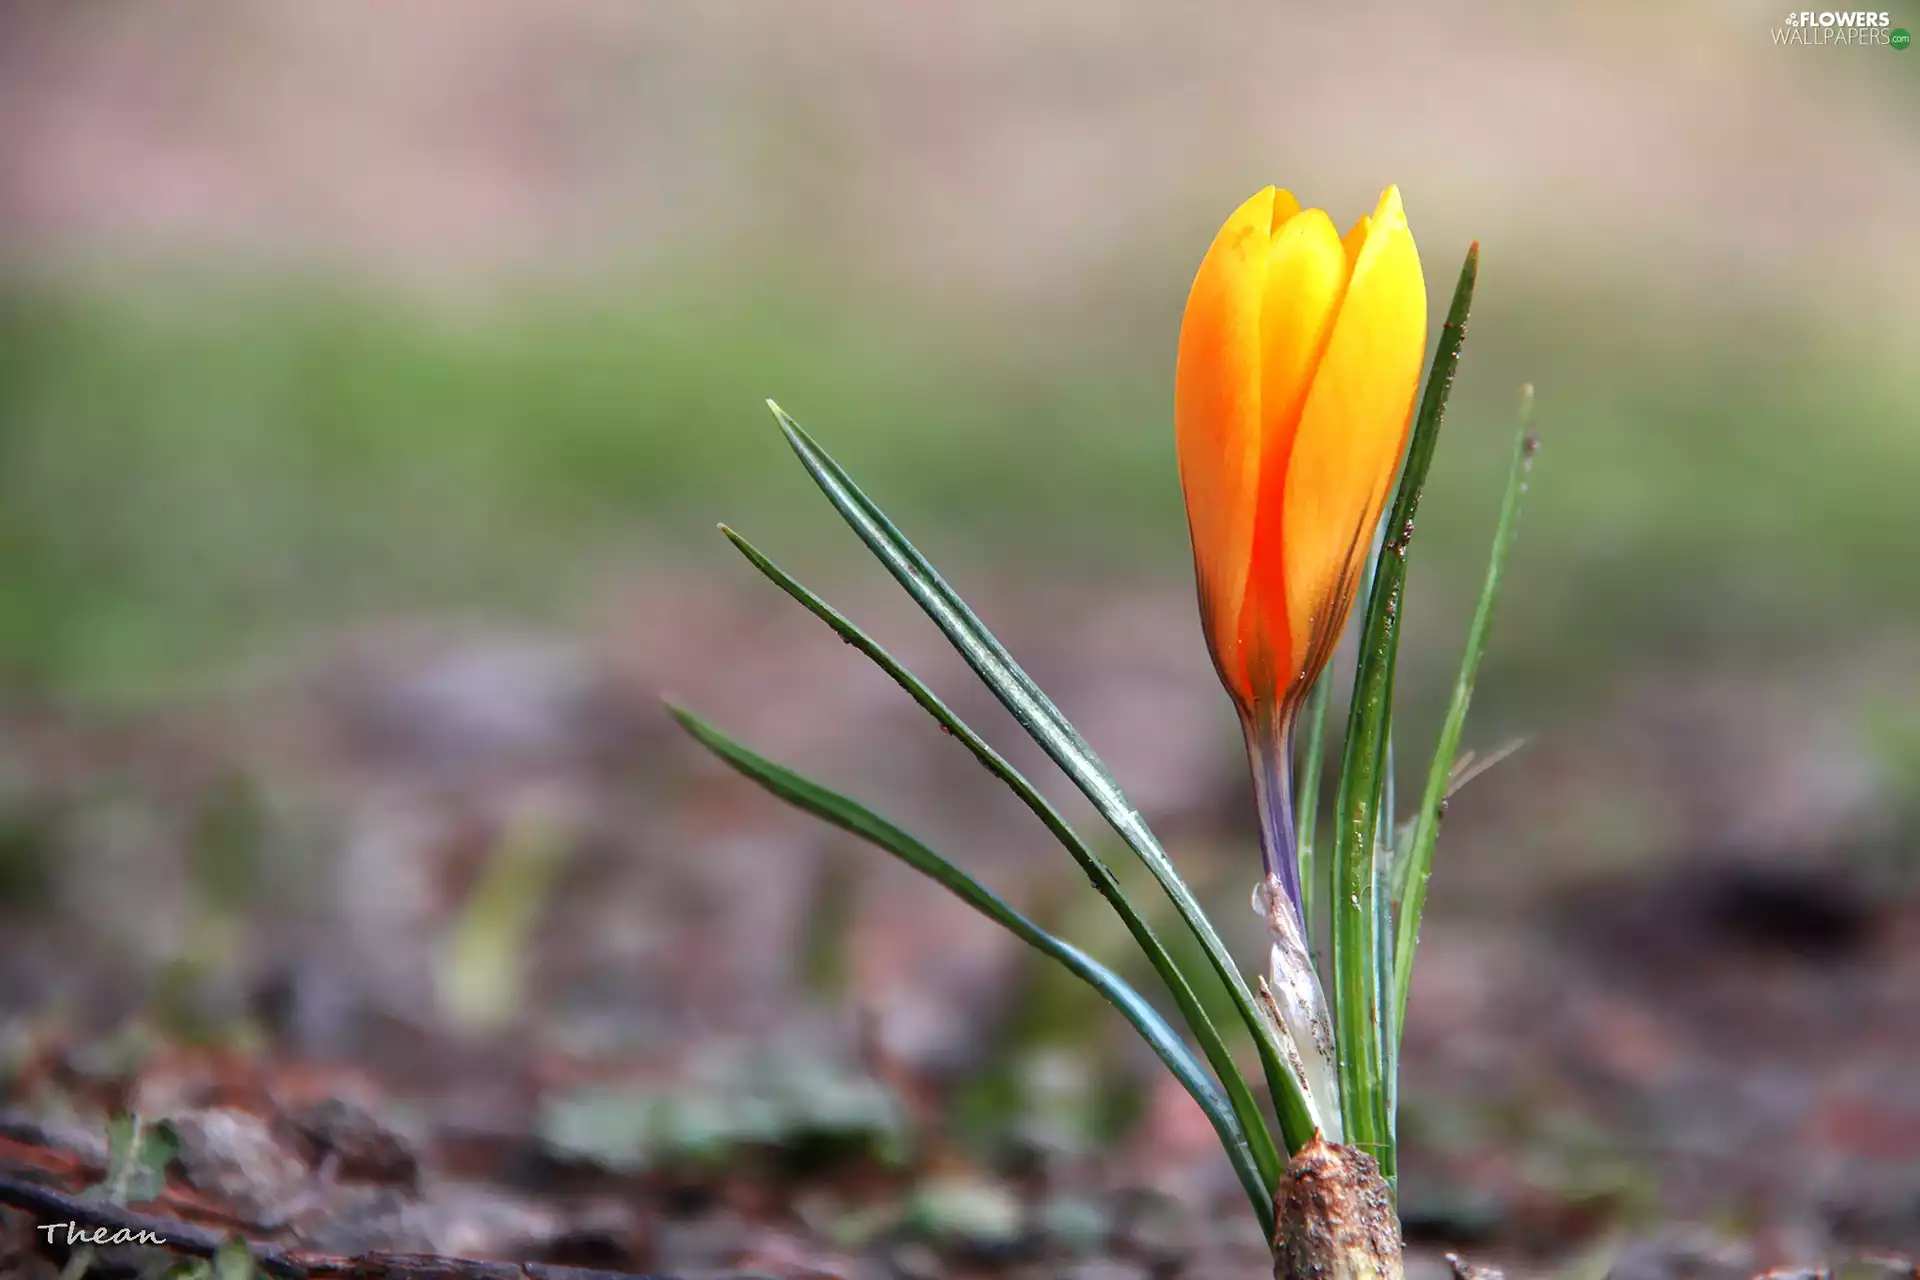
(1216, 413)
(1305, 281)
(1353, 428)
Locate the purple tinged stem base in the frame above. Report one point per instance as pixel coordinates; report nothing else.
(1270, 753)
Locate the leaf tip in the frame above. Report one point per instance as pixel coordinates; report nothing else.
(785, 419)
(744, 547)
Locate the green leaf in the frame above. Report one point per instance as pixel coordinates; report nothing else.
(851, 816)
(138, 1153)
(233, 1261)
(1426, 831)
(1043, 721)
(1383, 900)
(1384, 845)
(480, 967)
(1245, 1107)
(1306, 791)
(1358, 981)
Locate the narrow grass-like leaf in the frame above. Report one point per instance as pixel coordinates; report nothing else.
(1384, 860)
(1426, 829)
(1306, 791)
(1245, 1107)
(1384, 844)
(1060, 740)
(851, 816)
(1357, 881)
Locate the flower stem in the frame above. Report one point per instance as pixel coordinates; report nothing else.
(1270, 752)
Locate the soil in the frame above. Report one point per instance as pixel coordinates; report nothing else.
(450, 945)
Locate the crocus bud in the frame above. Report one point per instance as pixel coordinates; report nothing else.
(1300, 356)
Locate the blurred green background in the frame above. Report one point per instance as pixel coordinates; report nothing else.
(308, 317)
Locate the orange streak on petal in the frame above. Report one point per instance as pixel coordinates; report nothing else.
(1216, 413)
(1305, 282)
(1353, 427)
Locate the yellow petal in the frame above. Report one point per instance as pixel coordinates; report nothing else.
(1305, 280)
(1285, 209)
(1356, 239)
(1353, 428)
(1216, 410)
